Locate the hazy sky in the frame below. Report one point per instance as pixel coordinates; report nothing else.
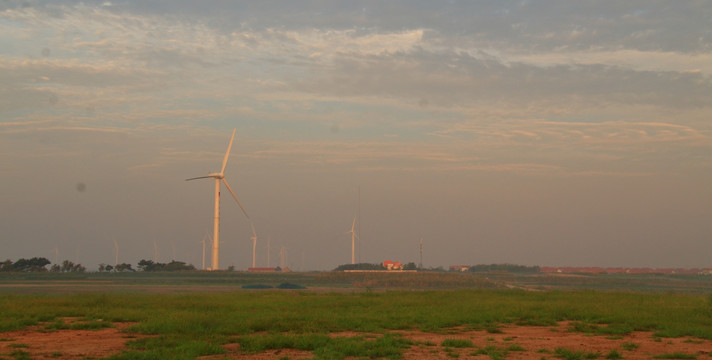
(544, 133)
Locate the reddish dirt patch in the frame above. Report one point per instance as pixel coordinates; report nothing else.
(537, 342)
(66, 344)
(541, 343)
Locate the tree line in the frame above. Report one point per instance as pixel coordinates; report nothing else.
(39, 264)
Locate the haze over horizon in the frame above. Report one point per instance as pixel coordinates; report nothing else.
(551, 133)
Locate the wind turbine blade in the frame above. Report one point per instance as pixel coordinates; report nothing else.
(235, 197)
(199, 177)
(353, 226)
(227, 153)
(253, 229)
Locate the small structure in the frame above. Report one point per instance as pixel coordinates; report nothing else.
(264, 269)
(392, 265)
(460, 268)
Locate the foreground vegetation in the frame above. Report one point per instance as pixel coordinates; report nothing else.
(190, 325)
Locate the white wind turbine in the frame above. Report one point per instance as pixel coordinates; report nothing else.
(353, 241)
(254, 243)
(216, 227)
(207, 235)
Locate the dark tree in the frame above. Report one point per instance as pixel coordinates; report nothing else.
(36, 264)
(178, 266)
(147, 265)
(124, 267)
(68, 266)
(6, 265)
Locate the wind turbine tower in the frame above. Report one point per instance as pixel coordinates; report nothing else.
(203, 243)
(353, 241)
(254, 243)
(216, 226)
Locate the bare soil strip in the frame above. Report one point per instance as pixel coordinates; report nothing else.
(537, 343)
(66, 344)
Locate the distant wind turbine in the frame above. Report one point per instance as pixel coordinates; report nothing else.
(216, 226)
(254, 243)
(207, 234)
(353, 241)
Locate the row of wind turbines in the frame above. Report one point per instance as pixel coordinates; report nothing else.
(220, 177)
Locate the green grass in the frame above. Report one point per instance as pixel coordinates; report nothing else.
(629, 346)
(693, 341)
(325, 347)
(20, 355)
(198, 324)
(457, 343)
(614, 355)
(497, 353)
(675, 355)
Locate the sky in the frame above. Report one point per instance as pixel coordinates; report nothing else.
(550, 133)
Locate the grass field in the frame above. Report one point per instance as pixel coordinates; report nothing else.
(199, 321)
(199, 281)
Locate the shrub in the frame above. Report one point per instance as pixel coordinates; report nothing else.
(457, 343)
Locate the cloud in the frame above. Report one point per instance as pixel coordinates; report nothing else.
(420, 81)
